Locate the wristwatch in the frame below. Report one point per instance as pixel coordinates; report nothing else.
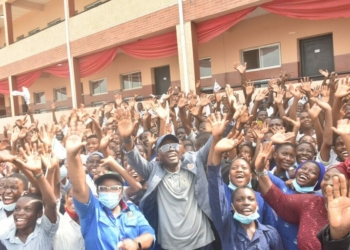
(261, 174)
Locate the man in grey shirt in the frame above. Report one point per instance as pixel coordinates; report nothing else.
(176, 203)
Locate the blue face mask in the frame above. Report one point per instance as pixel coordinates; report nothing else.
(9, 207)
(109, 200)
(233, 187)
(303, 190)
(246, 219)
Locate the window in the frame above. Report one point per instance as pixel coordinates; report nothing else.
(20, 37)
(132, 80)
(40, 111)
(262, 57)
(62, 108)
(205, 68)
(92, 5)
(98, 87)
(96, 104)
(39, 97)
(60, 94)
(34, 31)
(54, 22)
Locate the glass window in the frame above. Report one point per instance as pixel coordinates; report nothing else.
(132, 81)
(39, 97)
(263, 57)
(60, 94)
(98, 87)
(205, 67)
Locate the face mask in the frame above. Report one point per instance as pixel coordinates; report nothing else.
(63, 172)
(9, 207)
(110, 200)
(1, 204)
(303, 190)
(233, 187)
(246, 219)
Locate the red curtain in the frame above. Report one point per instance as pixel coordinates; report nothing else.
(310, 9)
(212, 28)
(155, 47)
(60, 70)
(26, 80)
(97, 62)
(4, 87)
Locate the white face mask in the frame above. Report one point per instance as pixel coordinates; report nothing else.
(9, 207)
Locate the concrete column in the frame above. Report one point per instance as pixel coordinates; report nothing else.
(76, 89)
(14, 100)
(71, 7)
(192, 59)
(7, 12)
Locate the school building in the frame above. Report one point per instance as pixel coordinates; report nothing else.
(83, 51)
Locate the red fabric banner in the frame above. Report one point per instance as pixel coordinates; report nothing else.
(27, 80)
(60, 70)
(212, 28)
(155, 47)
(310, 9)
(97, 62)
(4, 87)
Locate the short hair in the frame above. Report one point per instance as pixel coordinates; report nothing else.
(35, 197)
(247, 145)
(93, 136)
(22, 178)
(279, 146)
(307, 143)
(239, 188)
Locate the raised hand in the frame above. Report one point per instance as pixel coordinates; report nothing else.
(295, 123)
(152, 139)
(118, 99)
(306, 85)
(32, 161)
(15, 134)
(262, 94)
(182, 102)
(314, 111)
(218, 97)
(324, 73)
(228, 143)
(295, 91)
(343, 127)
(244, 118)
(284, 76)
(321, 104)
(343, 88)
(325, 93)
(161, 112)
(263, 156)
(23, 133)
(281, 138)
(240, 68)
(218, 124)
(279, 96)
(125, 124)
(204, 100)
(249, 88)
(338, 208)
(53, 106)
(73, 142)
(259, 131)
(273, 83)
(315, 92)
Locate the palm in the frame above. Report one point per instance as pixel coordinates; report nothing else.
(260, 161)
(204, 101)
(225, 145)
(249, 90)
(280, 138)
(73, 143)
(314, 111)
(33, 163)
(240, 68)
(339, 211)
(182, 102)
(125, 128)
(342, 90)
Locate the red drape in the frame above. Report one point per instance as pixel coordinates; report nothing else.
(212, 28)
(26, 80)
(310, 9)
(4, 87)
(60, 70)
(97, 62)
(155, 47)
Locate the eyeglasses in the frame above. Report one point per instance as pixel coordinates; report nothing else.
(165, 148)
(12, 188)
(113, 189)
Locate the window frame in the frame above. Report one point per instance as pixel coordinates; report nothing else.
(122, 81)
(54, 94)
(34, 31)
(92, 5)
(259, 48)
(205, 77)
(34, 93)
(91, 89)
(54, 22)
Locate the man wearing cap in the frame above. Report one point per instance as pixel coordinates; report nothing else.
(92, 162)
(176, 202)
(107, 222)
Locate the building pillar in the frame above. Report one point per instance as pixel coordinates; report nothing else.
(71, 8)
(76, 87)
(192, 59)
(14, 100)
(7, 12)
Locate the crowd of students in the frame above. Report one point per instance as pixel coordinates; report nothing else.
(184, 171)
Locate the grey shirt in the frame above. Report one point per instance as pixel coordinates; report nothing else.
(183, 225)
(41, 238)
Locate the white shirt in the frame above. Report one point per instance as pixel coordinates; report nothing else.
(68, 235)
(332, 161)
(5, 222)
(90, 182)
(41, 238)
